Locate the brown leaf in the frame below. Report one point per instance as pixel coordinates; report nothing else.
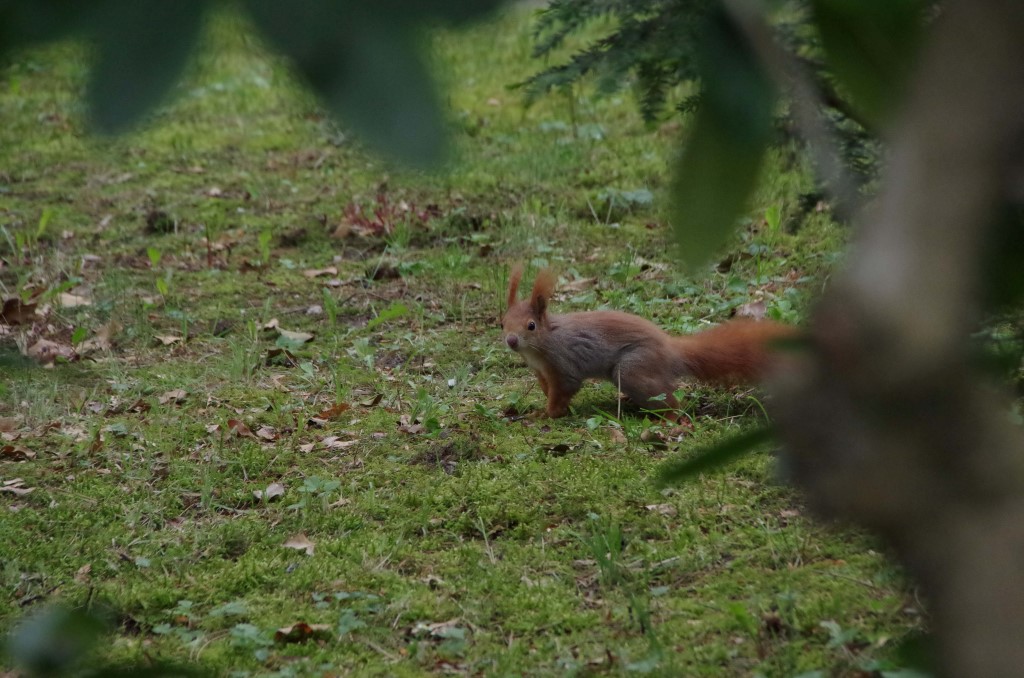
(753, 309)
(372, 402)
(300, 542)
(317, 272)
(266, 433)
(334, 411)
(342, 231)
(16, 486)
(16, 453)
(578, 285)
(82, 575)
(8, 424)
(174, 396)
(15, 312)
(97, 443)
(334, 443)
(653, 437)
(101, 341)
(300, 632)
(240, 428)
(140, 406)
(168, 339)
(308, 447)
(47, 352)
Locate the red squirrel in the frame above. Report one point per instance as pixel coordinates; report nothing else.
(643, 361)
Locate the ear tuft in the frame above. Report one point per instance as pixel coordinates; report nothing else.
(514, 276)
(543, 288)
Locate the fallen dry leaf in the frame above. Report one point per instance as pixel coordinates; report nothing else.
(294, 338)
(334, 411)
(47, 352)
(266, 433)
(653, 437)
(101, 341)
(82, 575)
(168, 339)
(68, 300)
(308, 447)
(753, 309)
(317, 272)
(437, 629)
(240, 428)
(16, 486)
(15, 312)
(174, 396)
(300, 632)
(300, 542)
(334, 443)
(8, 424)
(578, 285)
(273, 491)
(372, 402)
(16, 453)
(662, 509)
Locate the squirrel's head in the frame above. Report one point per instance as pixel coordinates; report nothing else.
(526, 319)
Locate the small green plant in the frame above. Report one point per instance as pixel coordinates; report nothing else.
(364, 350)
(263, 241)
(316, 492)
(79, 335)
(604, 541)
(395, 310)
(773, 219)
(330, 304)
(427, 410)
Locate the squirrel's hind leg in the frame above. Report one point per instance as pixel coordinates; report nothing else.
(651, 393)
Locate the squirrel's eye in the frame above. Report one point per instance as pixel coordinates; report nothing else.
(531, 326)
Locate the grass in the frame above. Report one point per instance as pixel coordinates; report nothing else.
(447, 536)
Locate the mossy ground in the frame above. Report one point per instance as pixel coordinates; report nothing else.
(449, 536)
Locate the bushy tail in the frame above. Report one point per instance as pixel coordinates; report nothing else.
(739, 351)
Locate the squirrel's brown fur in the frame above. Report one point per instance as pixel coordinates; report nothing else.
(645, 362)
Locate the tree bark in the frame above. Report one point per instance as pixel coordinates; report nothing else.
(885, 422)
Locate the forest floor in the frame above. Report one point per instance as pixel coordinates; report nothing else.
(275, 392)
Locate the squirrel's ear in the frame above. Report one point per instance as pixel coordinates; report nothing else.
(543, 287)
(513, 283)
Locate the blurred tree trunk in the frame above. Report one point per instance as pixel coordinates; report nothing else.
(886, 423)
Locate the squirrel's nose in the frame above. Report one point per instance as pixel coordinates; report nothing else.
(512, 341)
